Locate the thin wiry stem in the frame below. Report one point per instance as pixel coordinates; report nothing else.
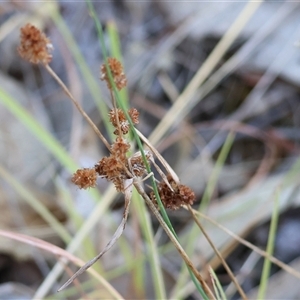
(231, 275)
(159, 156)
(173, 239)
(78, 106)
(261, 252)
(65, 255)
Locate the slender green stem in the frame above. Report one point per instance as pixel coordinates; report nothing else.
(270, 249)
(154, 256)
(116, 52)
(204, 202)
(137, 139)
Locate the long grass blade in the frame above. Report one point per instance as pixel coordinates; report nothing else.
(204, 202)
(117, 53)
(270, 249)
(242, 241)
(217, 286)
(50, 143)
(218, 253)
(123, 106)
(146, 226)
(35, 242)
(37, 205)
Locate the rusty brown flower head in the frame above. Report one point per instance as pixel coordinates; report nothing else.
(123, 122)
(114, 167)
(181, 194)
(117, 73)
(134, 115)
(85, 178)
(119, 149)
(113, 170)
(34, 45)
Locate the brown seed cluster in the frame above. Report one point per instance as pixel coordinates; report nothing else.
(123, 122)
(117, 167)
(114, 167)
(34, 46)
(136, 163)
(117, 73)
(134, 115)
(181, 194)
(85, 178)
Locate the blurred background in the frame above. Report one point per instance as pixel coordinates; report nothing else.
(214, 72)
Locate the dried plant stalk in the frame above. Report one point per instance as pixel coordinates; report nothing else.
(158, 155)
(78, 106)
(115, 237)
(173, 239)
(231, 275)
(261, 252)
(118, 168)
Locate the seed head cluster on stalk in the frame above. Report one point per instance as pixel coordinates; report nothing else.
(34, 45)
(119, 167)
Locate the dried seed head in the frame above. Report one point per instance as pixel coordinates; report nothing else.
(108, 167)
(136, 163)
(113, 117)
(119, 184)
(113, 168)
(180, 195)
(85, 178)
(119, 149)
(117, 73)
(34, 45)
(124, 124)
(124, 128)
(134, 115)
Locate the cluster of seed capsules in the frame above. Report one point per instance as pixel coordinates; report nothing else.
(119, 166)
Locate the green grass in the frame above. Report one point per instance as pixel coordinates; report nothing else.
(134, 264)
(270, 249)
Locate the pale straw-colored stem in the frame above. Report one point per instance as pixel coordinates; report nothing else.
(78, 106)
(173, 239)
(231, 275)
(159, 156)
(261, 252)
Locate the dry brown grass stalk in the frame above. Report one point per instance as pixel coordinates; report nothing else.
(218, 253)
(121, 169)
(58, 252)
(261, 252)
